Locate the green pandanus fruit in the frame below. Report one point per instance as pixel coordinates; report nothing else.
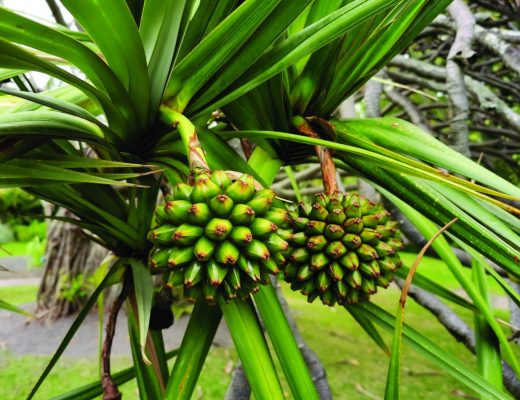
(219, 236)
(343, 247)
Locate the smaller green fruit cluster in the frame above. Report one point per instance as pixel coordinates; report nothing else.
(219, 237)
(342, 247)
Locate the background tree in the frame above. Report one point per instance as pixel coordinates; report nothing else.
(70, 260)
(473, 106)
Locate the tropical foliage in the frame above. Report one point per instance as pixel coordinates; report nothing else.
(152, 89)
(488, 82)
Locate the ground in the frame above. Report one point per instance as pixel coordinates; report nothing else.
(356, 367)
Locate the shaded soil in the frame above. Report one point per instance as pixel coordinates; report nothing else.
(17, 268)
(16, 281)
(21, 335)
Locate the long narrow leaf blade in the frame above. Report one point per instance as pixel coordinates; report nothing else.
(10, 307)
(406, 138)
(285, 344)
(487, 344)
(305, 42)
(428, 229)
(148, 381)
(267, 34)
(18, 29)
(160, 32)
(434, 353)
(13, 56)
(194, 348)
(144, 296)
(252, 349)
(221, 44)
(57, 104)
(122, 48)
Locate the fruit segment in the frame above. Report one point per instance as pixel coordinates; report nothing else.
(219, 236)
(341, 248)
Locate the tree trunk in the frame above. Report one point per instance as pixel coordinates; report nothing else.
(70, 259)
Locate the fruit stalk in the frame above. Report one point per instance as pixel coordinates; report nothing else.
(328, 169)
(188, 133)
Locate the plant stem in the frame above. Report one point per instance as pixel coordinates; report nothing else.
(110, 390)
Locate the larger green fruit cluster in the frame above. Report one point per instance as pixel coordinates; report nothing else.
(342, 247)
(218, 237)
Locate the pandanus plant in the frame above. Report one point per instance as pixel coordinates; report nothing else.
(151, 93)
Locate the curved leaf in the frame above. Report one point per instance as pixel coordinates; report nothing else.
(160, 32)
(392, 162)
(481, 214)
(12, 56)
(148, 381)
(252, 348)
(265, 35)
(195, 345)
(440, 209)
(404, 137)
(59, 105)
(9, 73)
(111, 26)
(220, 45)
(292, 49)
(508, 289)
(27, 173)
(428, 230)
(18, 29)
(143, 284)
(489, 360)
(207, 16)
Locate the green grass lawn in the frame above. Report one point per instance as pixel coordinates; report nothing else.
(18, 375)
(34, 249)
(13, 249)
(355, 366)
(19, 294)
